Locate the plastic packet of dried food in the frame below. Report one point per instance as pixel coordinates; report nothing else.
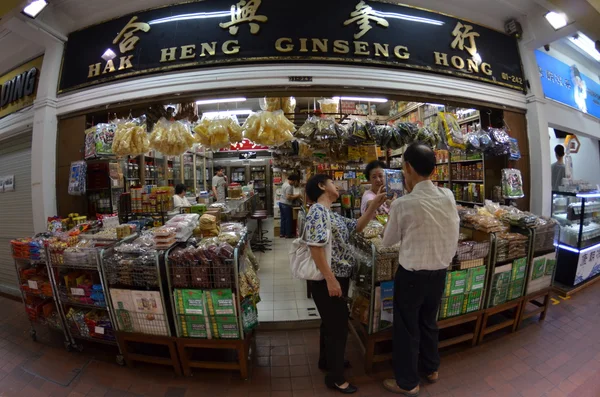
(452, 129)
(485, 141)
(270, 104)
(512, 184)
(131, 138)
(326, 128)
(251, 127)
(371, 129)
(472, 143)
(328, 105)
(308, 129)
(515, 153)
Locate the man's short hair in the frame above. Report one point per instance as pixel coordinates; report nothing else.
(559, 150)
(218, 168)
(293, 178)
(421, 158)
(180, 188)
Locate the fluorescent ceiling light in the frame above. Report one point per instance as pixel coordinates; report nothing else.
(187, 17)
(34, 8)
(556, 19)
(236, 112)
(360, 99)
(408, 18)
(225, 100)
(586, 45)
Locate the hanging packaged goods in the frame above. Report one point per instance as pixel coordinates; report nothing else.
(353, 33)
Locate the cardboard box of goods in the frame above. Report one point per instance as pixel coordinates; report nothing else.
(472, 301)
(476, 278)
(471, 263)
(539, 268)
(190, 301)
(224, 327)
(194, 326)
(515, 290)
(502, 276)
(456, 282)
(550, 266)
(277, 222)
(452, 306)
(519, 268)
(219, 302)
(499, 296)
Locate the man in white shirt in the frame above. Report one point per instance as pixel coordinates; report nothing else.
(285, 206)
(426, 225)
(219, 183)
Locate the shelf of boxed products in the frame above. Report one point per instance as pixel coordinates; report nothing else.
(213, 286)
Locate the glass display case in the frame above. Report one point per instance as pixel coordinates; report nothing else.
(579, 242)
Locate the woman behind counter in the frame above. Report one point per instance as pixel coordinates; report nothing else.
(330, 294)
(375, 174)
(179, 199)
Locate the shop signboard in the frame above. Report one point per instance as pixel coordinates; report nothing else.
(588, 264)
(225, 32)
(567, 85)
(19, 86)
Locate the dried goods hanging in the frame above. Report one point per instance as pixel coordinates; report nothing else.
(171, 138)
(131, 138)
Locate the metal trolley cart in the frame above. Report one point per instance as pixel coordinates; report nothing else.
(136, 298)
(37, 290)
(81, 292)
(214, 313)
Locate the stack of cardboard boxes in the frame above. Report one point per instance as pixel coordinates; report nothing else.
(464, 289)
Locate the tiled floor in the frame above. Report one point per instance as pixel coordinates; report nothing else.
(283, 298)
(559, 357)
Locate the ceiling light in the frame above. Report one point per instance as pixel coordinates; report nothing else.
(225, 100)
(586, 45)
(108, 55)
(236, 112)
(411, 18)
(34, 8)
(556, 19)
(360, 99)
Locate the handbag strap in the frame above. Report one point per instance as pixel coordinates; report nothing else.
(329, 229)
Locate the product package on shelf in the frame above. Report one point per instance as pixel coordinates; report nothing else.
(77, 178)
(541, 273)
(99, 140)
(171, 138)
(131, 138)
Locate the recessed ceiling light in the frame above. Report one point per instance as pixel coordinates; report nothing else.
(224, 100)
(556, 19)
(34, 8)
(586, 45)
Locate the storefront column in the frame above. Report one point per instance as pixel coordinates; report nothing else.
(43, 145)
(537, 132)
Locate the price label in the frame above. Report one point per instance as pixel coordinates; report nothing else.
(77, 292)
(32, 284)
(99, 330)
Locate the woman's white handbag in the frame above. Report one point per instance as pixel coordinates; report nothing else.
(302, 265)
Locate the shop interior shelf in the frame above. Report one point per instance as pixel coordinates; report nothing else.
(105, 341)
(468, 202)
(467, 180)
(68, 302)
(465, 161)
(469, 119)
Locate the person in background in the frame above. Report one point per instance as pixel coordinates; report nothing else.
(558, 168)
(425, 223)
(375, 174)
(330, 295)
(219, 183)
(179, 199)
(285, 205)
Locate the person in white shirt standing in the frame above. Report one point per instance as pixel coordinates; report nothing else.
(219, 183)
(426, 225)
(179, 199)
(285, 206)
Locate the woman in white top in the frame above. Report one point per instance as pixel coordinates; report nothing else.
(376, 176)
(179, 199)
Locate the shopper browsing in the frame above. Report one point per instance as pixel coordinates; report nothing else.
(426, 225)
(375, 174)
(285, 205)
(331, 293)
(558, 168)
(179, 199)
(219, 183)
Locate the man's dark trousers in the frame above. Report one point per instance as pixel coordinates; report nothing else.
(417, 296)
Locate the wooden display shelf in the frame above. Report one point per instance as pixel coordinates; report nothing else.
(127, 340)
(514, 305)
(185, 347)
(533, 299)
(475, 317)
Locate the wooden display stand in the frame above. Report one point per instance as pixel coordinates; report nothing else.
(127, 339)
(241, 346)
(534, 299)
(476, 317)
(506, 307)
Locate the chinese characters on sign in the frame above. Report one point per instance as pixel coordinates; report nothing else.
(464, 32)
(126, 37)
(364, 15)
(242, 12)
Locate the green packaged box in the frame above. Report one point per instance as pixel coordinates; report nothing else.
(190, 301)
(519, 269)
(452, 306)
(472, 301)
(476, 278)
(456, 282)
(501, 277)
(219, 302)
(515, 290)
(499, 296)
(224, 327)
(198, 209)
(539, 268)
(194, 326)
(550, 265)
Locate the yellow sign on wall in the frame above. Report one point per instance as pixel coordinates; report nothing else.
(19, 87)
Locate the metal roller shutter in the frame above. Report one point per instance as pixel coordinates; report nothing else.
(16, 219)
